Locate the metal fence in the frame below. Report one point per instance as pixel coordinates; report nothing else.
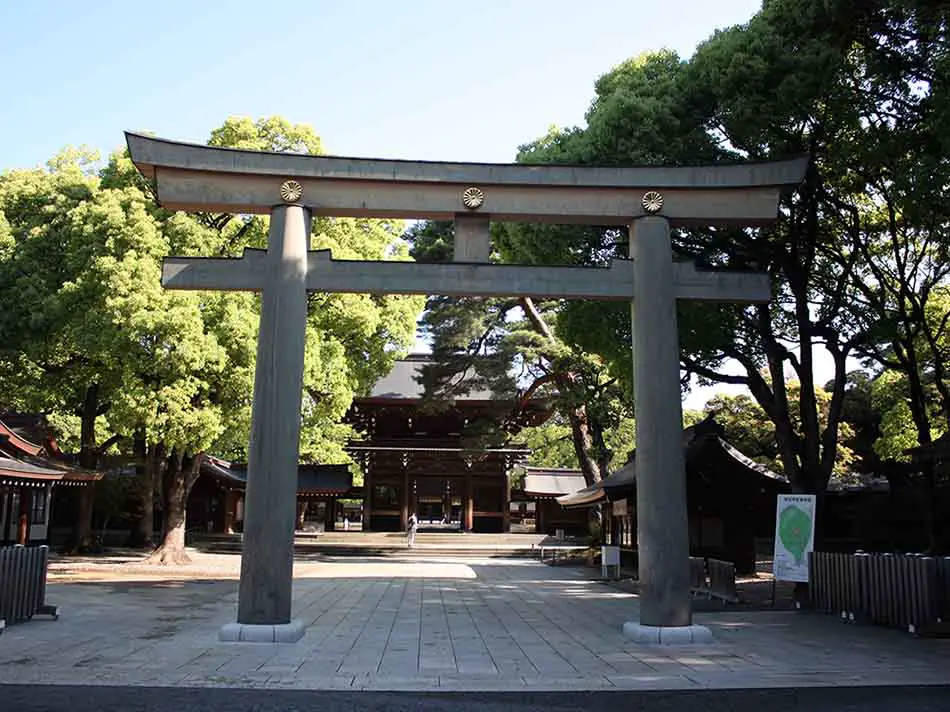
(901, 591)
(23, 583)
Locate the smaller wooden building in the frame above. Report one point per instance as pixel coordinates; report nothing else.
(216, 501)
(537, 502)
(29, 475)
(730, 498)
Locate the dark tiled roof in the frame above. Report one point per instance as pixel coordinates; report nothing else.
(401, 383)
(939, 449)
(16, 468)
(696, 441)
(330, 479)
(25, 470)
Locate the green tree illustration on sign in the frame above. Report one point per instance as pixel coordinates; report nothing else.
(794, 531)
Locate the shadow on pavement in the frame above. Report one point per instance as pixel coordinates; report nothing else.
(70, 698)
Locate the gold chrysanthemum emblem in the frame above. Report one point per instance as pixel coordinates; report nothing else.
(290, 191)
(652, 201)
(472, 198)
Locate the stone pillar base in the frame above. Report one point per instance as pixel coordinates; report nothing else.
(668, 635)
(250, 633)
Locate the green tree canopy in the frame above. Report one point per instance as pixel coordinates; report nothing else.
(91, 339)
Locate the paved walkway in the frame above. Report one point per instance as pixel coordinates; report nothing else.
(440, 624)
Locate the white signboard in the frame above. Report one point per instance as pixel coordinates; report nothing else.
(620, 508)
(794, 536)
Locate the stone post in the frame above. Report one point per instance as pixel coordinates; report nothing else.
(265, 592)
(665, 612)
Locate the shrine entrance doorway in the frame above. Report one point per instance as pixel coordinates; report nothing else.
(438, 502)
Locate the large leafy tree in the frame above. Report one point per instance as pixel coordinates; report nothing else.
(746, 95)
(61, 353)
(166, 376)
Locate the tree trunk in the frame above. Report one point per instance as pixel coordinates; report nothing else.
(583, 444)
(177, 486)
(578, 417)
(143, 536)
(89, 459)
(145, 472)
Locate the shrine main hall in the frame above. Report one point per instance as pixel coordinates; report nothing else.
(419, 457)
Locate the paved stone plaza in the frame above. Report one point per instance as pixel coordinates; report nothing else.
(420, 624)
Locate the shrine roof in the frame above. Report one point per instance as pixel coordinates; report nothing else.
(542, 482)
(12, 439)
(37, 471)
(938, 450)
(697, 441)
(401, 382)
(18, 468)
(329, 479)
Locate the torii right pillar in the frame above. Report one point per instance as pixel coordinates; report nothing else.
(662, 519)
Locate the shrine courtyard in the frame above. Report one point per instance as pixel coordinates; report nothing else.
(430, 624)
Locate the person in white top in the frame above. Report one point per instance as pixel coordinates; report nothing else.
(411, 527)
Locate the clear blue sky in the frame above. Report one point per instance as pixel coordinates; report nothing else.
(426, 79)
(429, 79)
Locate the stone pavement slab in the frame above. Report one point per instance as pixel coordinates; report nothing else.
(441, 624)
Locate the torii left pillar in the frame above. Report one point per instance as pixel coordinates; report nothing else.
(266, 589)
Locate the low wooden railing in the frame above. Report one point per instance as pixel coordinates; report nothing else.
(713, 578)
(896, 590)
(697, 574)
(23, 584)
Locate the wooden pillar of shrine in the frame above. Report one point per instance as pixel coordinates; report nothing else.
(301, 513)
(447, 500)
(230, 504)
(404, 501)
(367, 498)
(505, 503)
(468, 504)
(23, 516)
(329, 520)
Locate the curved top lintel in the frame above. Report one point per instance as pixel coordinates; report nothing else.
(150, 153)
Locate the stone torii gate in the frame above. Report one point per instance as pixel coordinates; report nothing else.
(291, 188)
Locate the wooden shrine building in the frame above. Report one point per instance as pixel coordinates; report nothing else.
(417, 460)
(216, 501)
(536, 502)
(730, 499)
(29, 474)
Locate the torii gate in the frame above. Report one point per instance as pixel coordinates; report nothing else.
(291, 188)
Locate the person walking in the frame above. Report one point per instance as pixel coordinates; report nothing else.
(411, 527)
